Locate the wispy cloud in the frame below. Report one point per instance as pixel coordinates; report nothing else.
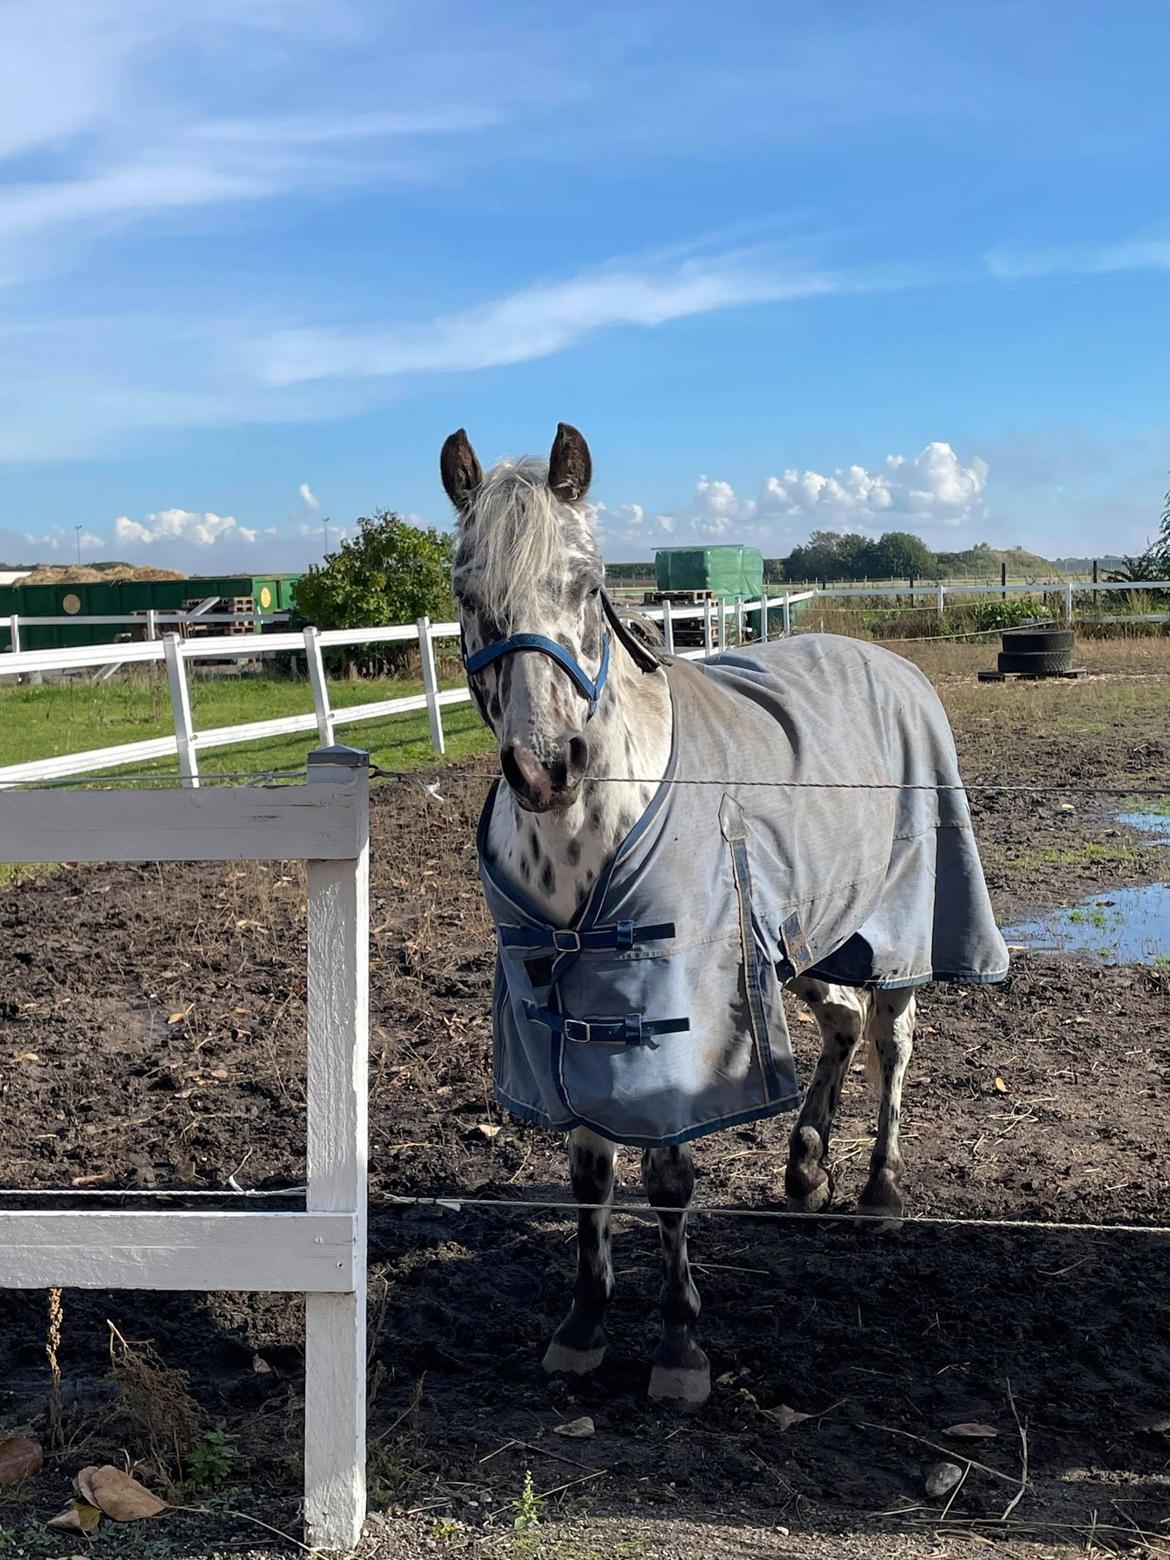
(1131, 254)
(308, 497)
(539, 320)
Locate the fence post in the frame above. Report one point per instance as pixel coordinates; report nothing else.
(337, 1158)
(430, 678)
(152, 623)
(667, 628)
(941, 598)
(1003, 581)
(321, 705)
(1068, 602)
(787, 616)
(14, 633)
(722, 624)
(1096, 579)
(739, 620)
(764, 617)
(706, 627)
(181, 710)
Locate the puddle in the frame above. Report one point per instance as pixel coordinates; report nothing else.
(1126, 926)
(1156, 825)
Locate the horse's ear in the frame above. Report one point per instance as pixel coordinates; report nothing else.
(461, 471)
(570, 467)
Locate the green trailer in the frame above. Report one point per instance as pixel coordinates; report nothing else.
(121, 598)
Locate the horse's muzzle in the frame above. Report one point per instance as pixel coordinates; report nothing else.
(545, 784)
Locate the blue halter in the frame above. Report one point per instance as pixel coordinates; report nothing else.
(589, 687)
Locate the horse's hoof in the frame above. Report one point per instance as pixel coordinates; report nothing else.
(561, 1360)
(808, 1182)
(681, 1372)
(681, 1384)
(813, 1200)
(883, 1201)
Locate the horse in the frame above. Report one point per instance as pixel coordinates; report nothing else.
(599, 785)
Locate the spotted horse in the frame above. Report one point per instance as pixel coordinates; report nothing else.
(669, 844)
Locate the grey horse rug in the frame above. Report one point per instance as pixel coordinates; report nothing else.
(657, 1016)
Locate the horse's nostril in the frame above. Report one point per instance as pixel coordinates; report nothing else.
(578, 755)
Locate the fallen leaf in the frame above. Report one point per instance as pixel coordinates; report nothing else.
(786, 1417)
(488, 1129)
(78, 1517)
(1000, 1086)
(577, 1428)
(180, 1014)
(942, 1479)
(219, 1072)
(122, 1497)
(28, 1056)
(92, 1180)
(20, 1457)
(970, 1430)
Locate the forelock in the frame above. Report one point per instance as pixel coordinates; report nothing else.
(518, 537)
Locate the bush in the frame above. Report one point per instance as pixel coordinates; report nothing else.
(390, 572)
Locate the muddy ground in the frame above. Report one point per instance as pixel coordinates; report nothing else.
(151, 1026)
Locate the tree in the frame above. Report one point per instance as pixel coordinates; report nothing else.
(901, 555)
(390, 572)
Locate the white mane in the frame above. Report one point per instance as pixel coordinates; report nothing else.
(518, 536)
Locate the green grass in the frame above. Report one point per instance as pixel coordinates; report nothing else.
(71, 717)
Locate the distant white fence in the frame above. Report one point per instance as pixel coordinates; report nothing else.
(320, 1252)
(723, 623)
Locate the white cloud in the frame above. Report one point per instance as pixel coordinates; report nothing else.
(1136, 254)
(540, 320)
(308, 497)
(64, 538)
(184, 525)
(929, 489)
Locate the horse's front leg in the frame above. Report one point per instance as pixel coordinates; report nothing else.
(681, 1370)
(891, 1034)
(578, 1345)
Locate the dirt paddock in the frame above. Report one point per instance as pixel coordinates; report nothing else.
(151, 1024)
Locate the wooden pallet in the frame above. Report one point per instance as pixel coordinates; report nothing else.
(1073, 673)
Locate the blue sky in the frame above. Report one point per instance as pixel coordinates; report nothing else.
(788, 266)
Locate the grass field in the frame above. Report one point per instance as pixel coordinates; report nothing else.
(69, 717)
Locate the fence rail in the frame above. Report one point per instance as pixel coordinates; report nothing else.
(723, 623)
(321, 1251)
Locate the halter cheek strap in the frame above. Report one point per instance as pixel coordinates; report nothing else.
(589, 687)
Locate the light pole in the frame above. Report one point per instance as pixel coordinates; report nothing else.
(77, 529)
(325, 523)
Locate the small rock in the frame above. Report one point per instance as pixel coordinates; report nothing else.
(487, 1129)
(942, 1478)
(578, 1428)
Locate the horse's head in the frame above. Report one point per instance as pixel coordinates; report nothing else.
(528, 579)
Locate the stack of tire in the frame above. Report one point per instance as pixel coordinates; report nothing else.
(1037, 650)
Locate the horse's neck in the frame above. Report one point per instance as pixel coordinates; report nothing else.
(555, 858)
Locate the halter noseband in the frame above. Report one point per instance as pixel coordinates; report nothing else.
(589, 687)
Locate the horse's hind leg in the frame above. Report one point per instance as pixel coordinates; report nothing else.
(681, 1370)
(840, 1013)
(578, 1345)
(891, 1035)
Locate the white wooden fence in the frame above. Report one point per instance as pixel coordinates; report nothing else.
(723, 623)
(321, 1251)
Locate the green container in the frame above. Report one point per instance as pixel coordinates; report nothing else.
(727, 572)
